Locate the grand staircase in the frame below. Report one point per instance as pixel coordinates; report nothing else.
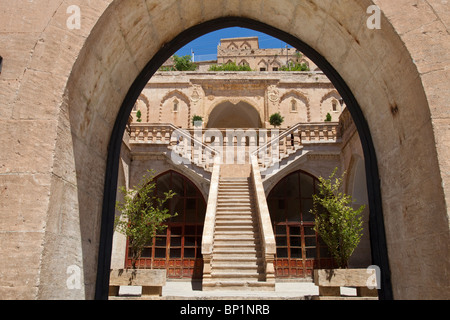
(238, 245)
(237, 262)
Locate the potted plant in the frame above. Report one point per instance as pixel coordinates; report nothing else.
(138, 116)
(328, 117)
(340, 227)
(143, 216)
(197, 120)
(276, 119)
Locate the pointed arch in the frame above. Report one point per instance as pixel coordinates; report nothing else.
(262, 64)
(245, 45)
(180, 97)
(298, 96)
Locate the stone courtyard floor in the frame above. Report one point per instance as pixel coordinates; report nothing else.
(181, 290)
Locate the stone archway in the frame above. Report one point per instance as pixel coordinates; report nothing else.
(234, 115)
(78, 122)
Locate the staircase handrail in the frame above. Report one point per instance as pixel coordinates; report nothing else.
(264, 221)
(277, 138)
(210, 219)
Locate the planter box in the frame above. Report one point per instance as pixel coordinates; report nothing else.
(330, 281)
(151, 280)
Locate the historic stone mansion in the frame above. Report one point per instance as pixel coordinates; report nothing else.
(243, 221)
(72, 73)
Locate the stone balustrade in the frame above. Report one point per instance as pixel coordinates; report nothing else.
(200, 146)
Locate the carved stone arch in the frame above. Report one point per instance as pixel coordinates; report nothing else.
(244, 62)
(299, 96)
(189, 175)
(232, 46)
(333, 95)
(276, 63)
(251, 113)
(180, 96)
(243, 46)
(145, 100)
(263, 63)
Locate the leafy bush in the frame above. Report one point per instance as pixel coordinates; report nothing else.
(231, 66)
(138, 116)
(143, 214)
(183, 63)
(276, 119)
(328, 117)
(196, 118)
(337, 223)
(295, 67)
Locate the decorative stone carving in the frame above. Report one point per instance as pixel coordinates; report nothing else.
(273, 94)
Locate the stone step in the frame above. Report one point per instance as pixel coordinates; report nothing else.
(234, 203)
(236, 242)
(226, 264)
(234, 245)
(240, 208)
(232, 184)
(242, 276)
(235, 250)
(226, 179)
(239, 259)
(227, 284)
(233, 200)
(236, 237)
(234, 228)
(232, 223)
(233, 193)
(231, 215)
(227, 232)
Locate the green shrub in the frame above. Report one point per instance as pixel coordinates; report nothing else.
(143, 215)
(196, 118)
(231, 66)
(276, 119)
(138, 116)
(337, 223)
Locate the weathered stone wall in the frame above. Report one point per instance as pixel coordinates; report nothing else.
(61, 89)
(199, 93)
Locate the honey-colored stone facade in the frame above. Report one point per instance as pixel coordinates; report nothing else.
(61, 91)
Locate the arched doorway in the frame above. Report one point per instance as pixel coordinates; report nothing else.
(398, 86)
(299, 249)
(229, 115)
(178, 248)
(378, 240)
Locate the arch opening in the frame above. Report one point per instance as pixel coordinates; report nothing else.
(178, 248)
(229, 115)
(378, 244)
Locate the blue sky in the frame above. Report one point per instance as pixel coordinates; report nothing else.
(205, 47)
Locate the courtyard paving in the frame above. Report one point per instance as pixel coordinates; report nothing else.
(181, 290)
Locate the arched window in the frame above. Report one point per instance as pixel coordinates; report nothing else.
(334, 104)
(293, 105)
(178, 249)
(175, 105)
(299, 249)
